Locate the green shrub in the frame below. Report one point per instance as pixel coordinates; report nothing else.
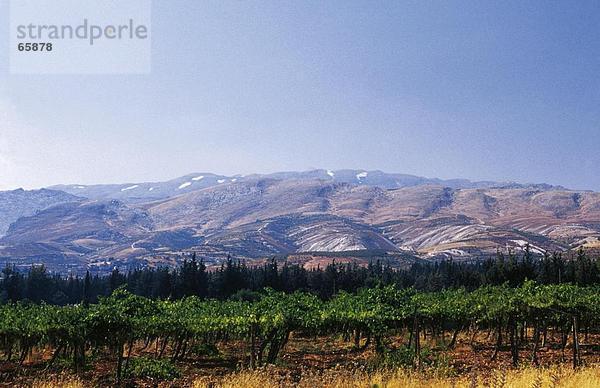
(65, 362)
(393, 358)
(404, 357)
(159, 369)
(204, 349)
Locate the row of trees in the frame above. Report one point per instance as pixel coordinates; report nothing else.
(370, 316)
(235, 277)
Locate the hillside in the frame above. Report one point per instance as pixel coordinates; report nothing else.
(20, 203)
(258, 216)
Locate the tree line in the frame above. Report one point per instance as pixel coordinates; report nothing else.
(236, 279)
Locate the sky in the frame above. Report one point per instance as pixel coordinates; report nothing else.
(506, 91)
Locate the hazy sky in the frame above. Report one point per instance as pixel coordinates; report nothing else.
(478, 90)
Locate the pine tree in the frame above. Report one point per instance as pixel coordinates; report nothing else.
(87, 287)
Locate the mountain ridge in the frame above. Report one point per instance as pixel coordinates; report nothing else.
(259, 216)
(200, 180)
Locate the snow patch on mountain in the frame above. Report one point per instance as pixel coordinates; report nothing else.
(130, 188)
(184, 185)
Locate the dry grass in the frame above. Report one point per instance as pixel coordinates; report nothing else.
(59, 382)
(525, 378)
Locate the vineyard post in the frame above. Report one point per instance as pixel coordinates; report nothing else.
(417, 341)
(253, 346)
(575, 341)
(536, 340)
(120, 349)
(564, 337)
(544, 335)
(130, 347)
(498, 340)
(514, 347)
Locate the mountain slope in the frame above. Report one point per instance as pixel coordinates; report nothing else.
(19, 203)
(75, 232)
(259, 216)
(429, 220)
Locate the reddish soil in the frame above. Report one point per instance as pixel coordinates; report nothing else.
(315, 354)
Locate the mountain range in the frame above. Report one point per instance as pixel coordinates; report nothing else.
(75, 227)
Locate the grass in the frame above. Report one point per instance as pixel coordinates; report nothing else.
(63, 381)
(525, 378)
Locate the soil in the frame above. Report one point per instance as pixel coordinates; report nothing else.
(301, 354)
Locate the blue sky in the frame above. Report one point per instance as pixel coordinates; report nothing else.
(478, 90)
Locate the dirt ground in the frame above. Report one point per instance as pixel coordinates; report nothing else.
(300, 356)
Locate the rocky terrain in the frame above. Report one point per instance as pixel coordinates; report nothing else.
(19, 203)
(289, 213)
